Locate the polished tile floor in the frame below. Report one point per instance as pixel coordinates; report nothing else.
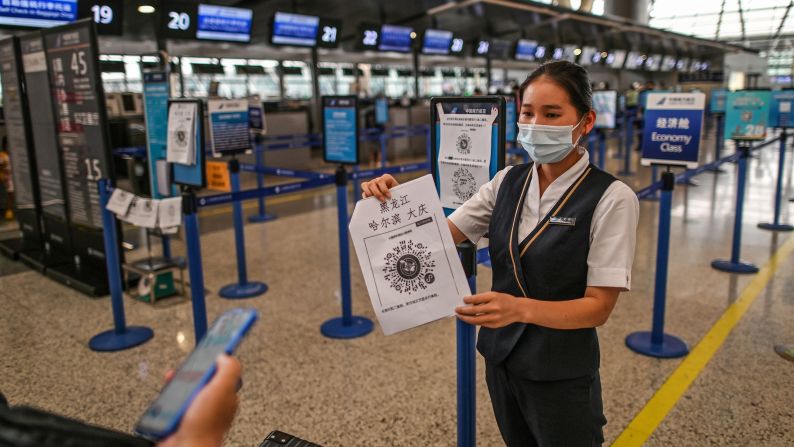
(400, 390)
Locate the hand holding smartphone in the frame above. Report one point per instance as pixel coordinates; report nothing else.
(163, 416)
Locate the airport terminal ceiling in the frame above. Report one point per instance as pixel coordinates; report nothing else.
(469, 19)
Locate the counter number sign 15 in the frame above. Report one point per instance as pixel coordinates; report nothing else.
(103, 14)
(93, 171)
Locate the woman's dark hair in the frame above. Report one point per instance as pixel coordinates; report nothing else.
(571, 77)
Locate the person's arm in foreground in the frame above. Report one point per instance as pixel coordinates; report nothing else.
(211, 414)
(494, 309)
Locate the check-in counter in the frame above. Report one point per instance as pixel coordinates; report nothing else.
(284, 122)
(414, 115)
(420, 115)
(399, 147)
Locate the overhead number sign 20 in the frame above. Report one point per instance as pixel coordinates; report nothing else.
(178, 21)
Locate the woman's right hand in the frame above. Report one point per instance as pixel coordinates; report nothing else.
(379, 187)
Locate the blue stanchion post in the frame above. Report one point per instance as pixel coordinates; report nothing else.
(382, 140)
(735, 265)
(121, 336)
(356, 186)
(166, 241)
(656, 343)
(261, 215)
(466, 360)
(655, 195)
(775, 225)
(194, 265)
(592, 145)
(718, 143)
(628, 146)
(602, 149)
(242, 288)
(427, 143)
(348, 325)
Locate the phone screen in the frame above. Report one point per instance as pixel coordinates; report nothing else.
(164, 413)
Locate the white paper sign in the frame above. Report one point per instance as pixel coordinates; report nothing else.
(169, 212)
(143, 213)
(464, 158)
(120, 202)
(181, 145)
(163, 177)
(408, 258)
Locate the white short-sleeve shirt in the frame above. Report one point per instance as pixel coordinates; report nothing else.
(613, 230)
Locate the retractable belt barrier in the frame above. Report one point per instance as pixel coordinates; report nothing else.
(319, 180)
(689, 173)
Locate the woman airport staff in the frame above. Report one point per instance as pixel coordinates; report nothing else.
(561, 237)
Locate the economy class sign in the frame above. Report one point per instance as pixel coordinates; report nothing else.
(672, 131)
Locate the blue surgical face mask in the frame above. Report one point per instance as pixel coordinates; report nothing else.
(547, 144)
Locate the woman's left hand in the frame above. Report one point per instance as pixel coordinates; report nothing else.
(490, 309)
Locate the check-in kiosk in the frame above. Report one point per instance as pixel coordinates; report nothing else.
(27, 203)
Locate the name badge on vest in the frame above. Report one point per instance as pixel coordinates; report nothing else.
(567, 221)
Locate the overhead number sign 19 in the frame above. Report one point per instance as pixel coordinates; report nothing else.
(103, 14)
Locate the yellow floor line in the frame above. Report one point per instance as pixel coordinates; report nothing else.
(666, 397)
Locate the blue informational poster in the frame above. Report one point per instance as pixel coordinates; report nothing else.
(747, 114)
(672, 131)
(340, 129)
(381, 111)
(605, 103)
(35, 14)
(155, 108)
(511, 119)
(780, 110)
(228, 120)
(717, 101)
(224, 23)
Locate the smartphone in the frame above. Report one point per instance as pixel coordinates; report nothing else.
(162, 417)
(280, 439)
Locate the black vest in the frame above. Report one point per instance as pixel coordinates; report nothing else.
(550, 264)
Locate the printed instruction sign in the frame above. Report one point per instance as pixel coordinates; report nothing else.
(256, 116)
(605, 104)
(228, 120)
(747, 114)
(465, 153)
(409, 261)
(340, 130)
(218, 177)
(780, 111)
(717, 101)
(672, 130)
(155, 108)
(181, 146)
